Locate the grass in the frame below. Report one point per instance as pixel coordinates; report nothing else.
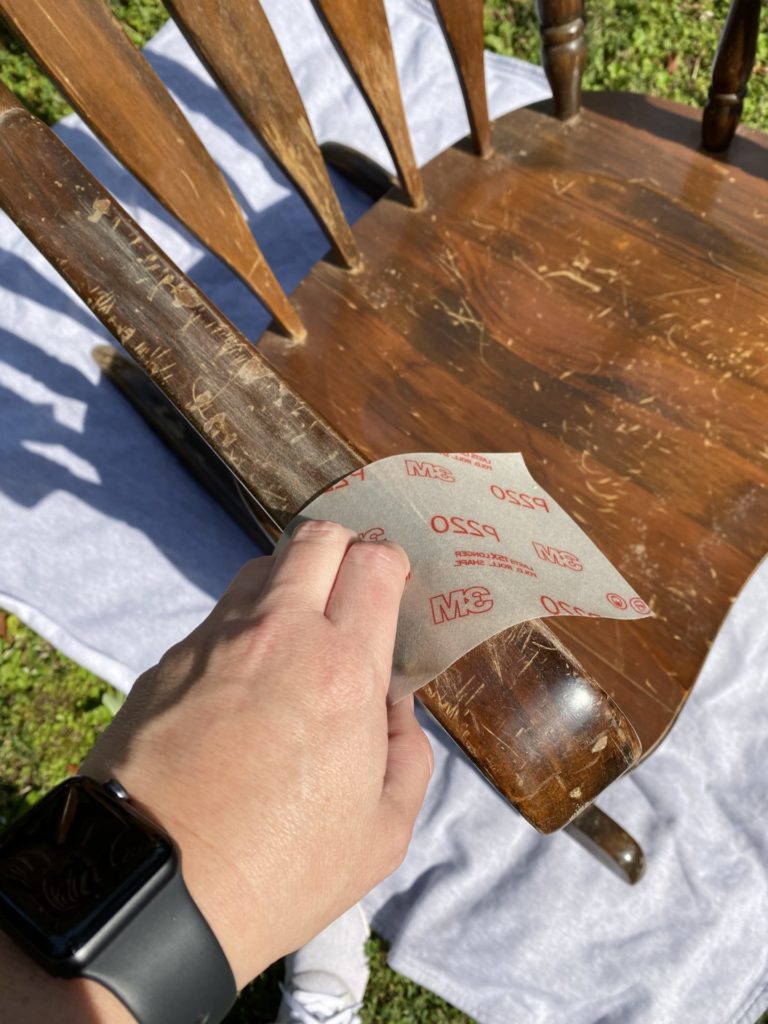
(51, 710)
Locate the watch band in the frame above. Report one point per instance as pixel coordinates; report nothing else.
(166, 965)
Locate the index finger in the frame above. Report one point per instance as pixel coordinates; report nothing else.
(305, 568)
(366, 596)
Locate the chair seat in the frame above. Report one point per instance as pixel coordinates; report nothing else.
(595, 296)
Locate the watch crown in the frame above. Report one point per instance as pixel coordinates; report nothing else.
(114, 788)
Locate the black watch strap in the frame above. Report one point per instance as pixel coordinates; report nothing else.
(166, 964)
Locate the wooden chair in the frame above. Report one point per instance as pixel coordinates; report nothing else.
(588, 288)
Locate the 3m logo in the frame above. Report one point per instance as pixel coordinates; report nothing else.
(460, 603)
(430, 470)
(562, 558)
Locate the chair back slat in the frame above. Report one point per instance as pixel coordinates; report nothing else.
(118, 94)
(236, 43)
(563, 52)
(462, 22)
(281, 449)
(360, 31)
(730, 74)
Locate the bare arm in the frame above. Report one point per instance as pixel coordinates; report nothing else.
(265, 746)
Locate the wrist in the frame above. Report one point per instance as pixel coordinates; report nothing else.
(30, 995)
(217, 885)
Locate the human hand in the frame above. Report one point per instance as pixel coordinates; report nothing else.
(265, 746)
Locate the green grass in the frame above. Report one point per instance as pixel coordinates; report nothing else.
(50, 709)
(51, 712)
(18, 70)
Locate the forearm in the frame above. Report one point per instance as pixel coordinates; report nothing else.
(31, 996)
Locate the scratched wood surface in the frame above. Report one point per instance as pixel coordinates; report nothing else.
(730, 74)
(117, 93)
(595, 296)
(236, 43)
(462, 22)
(570, 739)
(360, 30)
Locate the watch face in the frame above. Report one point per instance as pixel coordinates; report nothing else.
(70, 864)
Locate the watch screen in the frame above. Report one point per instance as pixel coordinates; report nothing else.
(70, 863)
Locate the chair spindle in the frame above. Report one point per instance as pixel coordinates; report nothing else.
(236, 43)
(730, 74)
(360, 31)
(121, 98)
(563, 52)
(462, 22)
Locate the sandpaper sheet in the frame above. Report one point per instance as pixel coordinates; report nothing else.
(489, 548)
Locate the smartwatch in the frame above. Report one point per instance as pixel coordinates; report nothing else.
(92, 888)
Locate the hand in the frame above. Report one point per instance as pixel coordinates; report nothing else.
(264, 744)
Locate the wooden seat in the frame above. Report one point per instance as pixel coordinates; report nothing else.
(593, 293)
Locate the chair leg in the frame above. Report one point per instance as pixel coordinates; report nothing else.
(609, 843)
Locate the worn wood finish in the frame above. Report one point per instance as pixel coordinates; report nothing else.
(284, 453)
(266, 433)
(730, 74)
(462, 22)
(183, 440)
(595, 296)
(563, 52)
(236, 43)
(360, 31)
(118, 94)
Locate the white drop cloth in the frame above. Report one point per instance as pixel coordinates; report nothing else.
(112, 552)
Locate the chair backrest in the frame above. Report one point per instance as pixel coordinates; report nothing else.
(124, 102)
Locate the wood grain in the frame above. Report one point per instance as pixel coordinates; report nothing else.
(462, 22)
(236, 43)
(573, 740)
(595, 295)
(732, 68)
(563, 52)
(360, 31)
(117, 93)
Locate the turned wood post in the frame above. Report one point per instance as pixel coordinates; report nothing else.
(733, 66)
(563, 52)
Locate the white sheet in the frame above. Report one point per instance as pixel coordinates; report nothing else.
(112, 552)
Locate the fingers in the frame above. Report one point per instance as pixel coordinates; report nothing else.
(305, 569)
(366, 597)
(410, 763)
